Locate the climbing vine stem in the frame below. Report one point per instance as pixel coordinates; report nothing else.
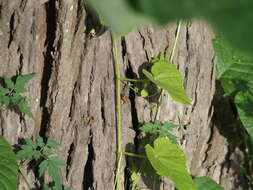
(157, 117)
(118, 114)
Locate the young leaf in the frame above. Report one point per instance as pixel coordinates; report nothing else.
(3, 91)
(47, 151)
(166, 76)
(21, 81)
(244, 105)
(40, 141)
(8, 166)
(168, 160)
(24, 108)
(9, 83)
(206, 183)
(51, 143)
(161, 130)
(53, 168)
(43, 167)
(25, 152)
(5, 100)
(15, 99)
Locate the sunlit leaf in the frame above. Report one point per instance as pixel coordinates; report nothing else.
(206, 183)
(168, 160)
(166, 76)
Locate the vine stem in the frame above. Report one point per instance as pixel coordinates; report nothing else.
(157, 117)
(118, 114)
(25, 178)
(133, 155)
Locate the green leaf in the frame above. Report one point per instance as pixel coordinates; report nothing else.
(15, 99)
(161, 130)
(30, 142)
(43, 167)
(232, 64)
(122, 19)
(244, 105)
(221, 14)
(144, 93)
(168, 160)
(47, 151)
(9, 83)
(24, 108)
(206, 183)
(37, 155)
(8, 166)
(5, 100)
(3, 91)
(53, 168)
(25, 152)
(21, 81)
(52, 143)
(40, 141)
(166, 76)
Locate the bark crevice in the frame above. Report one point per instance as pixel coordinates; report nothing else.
(51, 23)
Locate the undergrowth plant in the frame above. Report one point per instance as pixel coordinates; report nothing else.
(162, 154)
(38, 153)
(10, 94)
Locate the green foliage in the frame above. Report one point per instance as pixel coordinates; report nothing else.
(8, 166)
(55, 187)
(43, 152)
(52, 166)
(221, 14)
(168, 160)
(159, 129)
(206, 183)
(127, 19)
(10, 94)
(234, 70)
(165, 75)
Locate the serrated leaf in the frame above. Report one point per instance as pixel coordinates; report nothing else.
(3, 91)
(15, 99)
(166, 76)
(30, 142)
(8, 166)
(46, 187)
(26, 152)
(244, 105)
(57, 161)
(52, 143)
(53, 169)
(37, 155)
(5, 100)
(9, 83)
(43, 167)
(161, 130)
(40, 141)
(24, 108)
(21, 81)
(47, 151)
(168, 160)
(206, 183)
(232, 64)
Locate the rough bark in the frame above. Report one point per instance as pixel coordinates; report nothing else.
(75, 83)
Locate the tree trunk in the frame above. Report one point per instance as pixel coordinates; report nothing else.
(75, 83)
